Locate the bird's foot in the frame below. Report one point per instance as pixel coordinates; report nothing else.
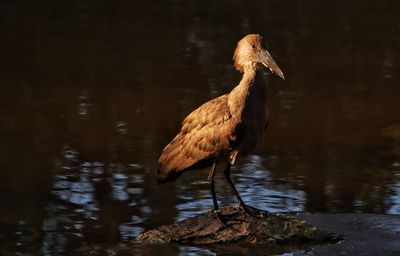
(253, 211)
(220, 218)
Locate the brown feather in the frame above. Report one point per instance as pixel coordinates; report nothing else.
(227, 126)
(201, 137)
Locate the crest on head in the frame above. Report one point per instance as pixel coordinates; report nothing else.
(251, 52)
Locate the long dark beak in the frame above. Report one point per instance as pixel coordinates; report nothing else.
(269, 62)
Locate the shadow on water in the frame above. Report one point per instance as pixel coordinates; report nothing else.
(91, 92)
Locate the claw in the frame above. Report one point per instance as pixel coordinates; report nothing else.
(221, 219)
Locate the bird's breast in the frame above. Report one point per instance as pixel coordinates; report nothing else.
(248, 103)
(254, 131)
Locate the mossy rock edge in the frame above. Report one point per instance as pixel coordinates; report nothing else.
(240, 227)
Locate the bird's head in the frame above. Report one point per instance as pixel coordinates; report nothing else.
(251, 52)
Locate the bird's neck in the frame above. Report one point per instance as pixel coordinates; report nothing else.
(251, 91)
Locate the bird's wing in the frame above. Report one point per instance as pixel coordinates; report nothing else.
(204, 135)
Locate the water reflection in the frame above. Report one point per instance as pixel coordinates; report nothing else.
(394, 199)
(79, 205)
(194, 251)
(83, 106)
(255, 182)
(91, 93)
(254, 185)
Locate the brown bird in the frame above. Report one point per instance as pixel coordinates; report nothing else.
(226, 127)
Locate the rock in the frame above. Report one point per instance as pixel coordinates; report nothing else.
(364, 234)
(240, 227)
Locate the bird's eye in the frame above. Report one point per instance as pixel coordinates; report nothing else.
(253, 46)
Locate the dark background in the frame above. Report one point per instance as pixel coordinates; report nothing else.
(91, 91)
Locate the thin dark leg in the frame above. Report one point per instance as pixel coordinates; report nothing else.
(227, 173)
(212, 187)
(246, 208)
(217, 214)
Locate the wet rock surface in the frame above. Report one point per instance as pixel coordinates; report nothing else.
(239, 227)
(364, 234)
(274, 234)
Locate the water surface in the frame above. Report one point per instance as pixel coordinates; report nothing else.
(91, 92)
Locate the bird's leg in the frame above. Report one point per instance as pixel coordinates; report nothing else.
(217, 214)
(212, 187)
(246, 208)
(227, 173)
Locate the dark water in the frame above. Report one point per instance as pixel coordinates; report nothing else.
(90, 92)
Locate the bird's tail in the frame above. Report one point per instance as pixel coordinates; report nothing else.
(172, 162)
(164, 176)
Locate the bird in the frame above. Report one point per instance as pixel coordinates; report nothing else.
(227, 127)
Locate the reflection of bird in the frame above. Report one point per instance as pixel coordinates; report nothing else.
(226, 127)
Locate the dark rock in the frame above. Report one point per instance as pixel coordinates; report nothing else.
(364, 234)
(240, 227)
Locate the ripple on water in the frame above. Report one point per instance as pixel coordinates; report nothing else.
(260, 193)
(194, 251)
(394, 198)
(77, 186)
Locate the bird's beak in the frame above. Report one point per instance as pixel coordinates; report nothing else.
(269, 62)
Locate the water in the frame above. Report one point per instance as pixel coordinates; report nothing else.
(91, 92)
